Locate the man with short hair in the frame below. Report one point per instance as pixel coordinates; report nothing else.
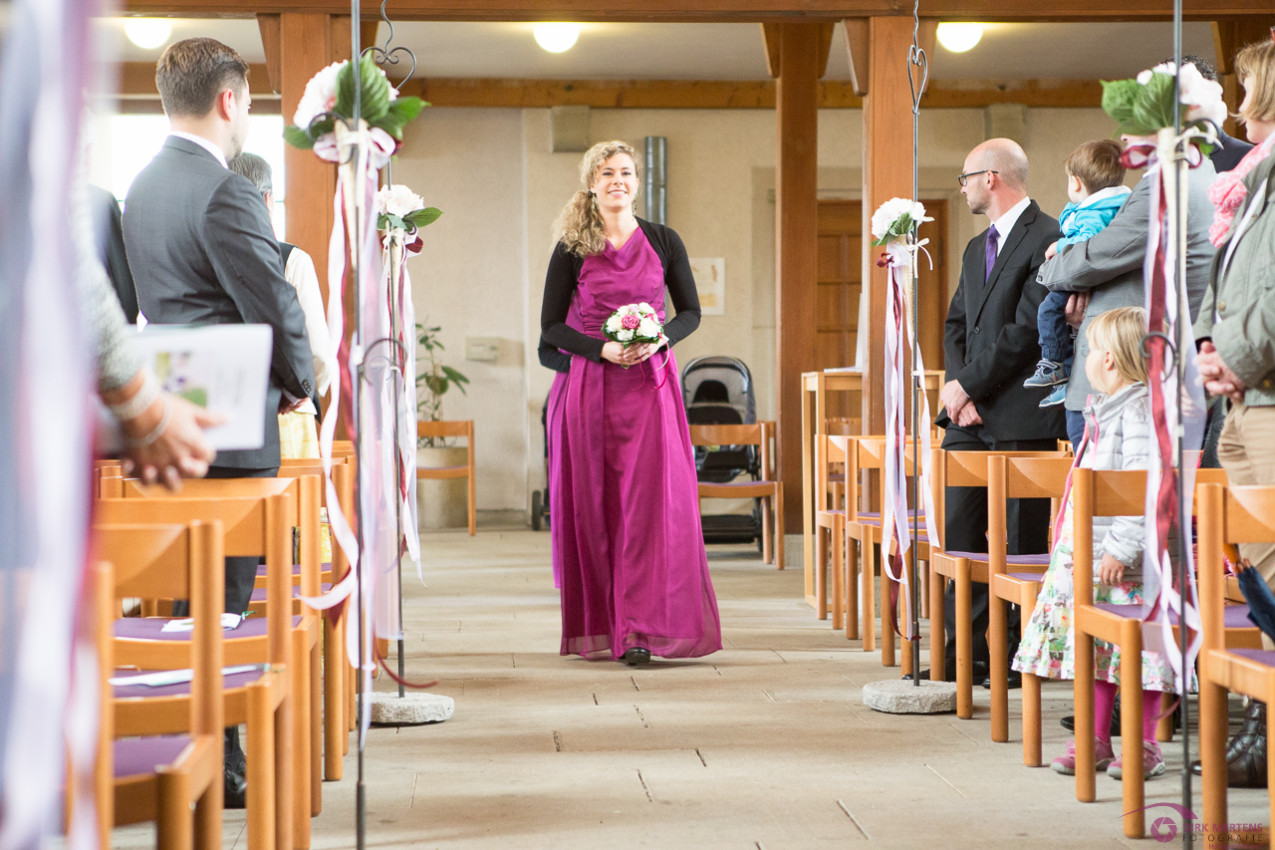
(202, 251)
(991, 346)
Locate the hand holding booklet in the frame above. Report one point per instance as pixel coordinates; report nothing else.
(224, 368)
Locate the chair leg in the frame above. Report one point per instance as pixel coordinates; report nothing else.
(333, 702)
(838, 574)
(1031, 721)
(175, 822)
(316, 729)
(964, 643)
(938, 628)
(300, 702)
(778, 539)
(998, 665)
(767, 541)
(263, 762)
(471, 498)
(1132, 779)
(850, 555)
(1086, 789)
(923, 580)
(885, 585)
(1213, 727)
(867, 592)
(821, 572)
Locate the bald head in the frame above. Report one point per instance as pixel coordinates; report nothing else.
(998, 177)
(1005, 156)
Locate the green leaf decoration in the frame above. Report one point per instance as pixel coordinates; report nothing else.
(297, 137)
(1137, 109)
(374, 91)
(424, 217)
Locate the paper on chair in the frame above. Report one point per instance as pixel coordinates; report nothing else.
(160, 678)
(228, 622)
(224, 368)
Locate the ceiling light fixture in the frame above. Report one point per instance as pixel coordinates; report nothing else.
(959, 38)
(556, 37)
(148, 33)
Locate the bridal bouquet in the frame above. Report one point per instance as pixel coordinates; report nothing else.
(632, 324)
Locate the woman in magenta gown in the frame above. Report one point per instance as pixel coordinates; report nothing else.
(627, 545)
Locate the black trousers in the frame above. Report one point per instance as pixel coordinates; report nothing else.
(241, 572)
(1026, 524)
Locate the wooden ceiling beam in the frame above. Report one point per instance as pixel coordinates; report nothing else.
(137, 83)
(713, 10)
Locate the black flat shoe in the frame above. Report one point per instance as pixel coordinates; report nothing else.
(235, 795)
(637, 656)
(1015, 681)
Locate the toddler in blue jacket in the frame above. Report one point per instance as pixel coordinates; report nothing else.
(1095, 185)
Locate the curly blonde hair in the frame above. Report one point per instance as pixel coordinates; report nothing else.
(579, 225)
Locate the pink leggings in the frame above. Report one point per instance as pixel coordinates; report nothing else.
(1104, 704)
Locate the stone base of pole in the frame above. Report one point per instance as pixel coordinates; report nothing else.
(897, 696)
(390, 709)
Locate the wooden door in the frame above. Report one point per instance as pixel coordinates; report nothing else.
(839, 272)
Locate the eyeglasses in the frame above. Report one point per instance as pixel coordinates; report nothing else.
(963, 178)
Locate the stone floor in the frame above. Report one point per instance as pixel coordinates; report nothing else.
(764, 745)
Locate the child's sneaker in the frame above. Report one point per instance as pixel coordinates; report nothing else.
(1102, 753)
(1056, 396)
(1048, 373)
(1152, 762)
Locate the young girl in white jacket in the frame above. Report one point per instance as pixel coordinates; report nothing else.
(1117, 436)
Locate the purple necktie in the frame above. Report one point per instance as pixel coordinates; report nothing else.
(992, 237)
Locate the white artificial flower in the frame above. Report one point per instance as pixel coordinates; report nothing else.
(319, 96)
(648, 329)
(894, 209)
(1144, 77)
(398, 200)
(613, 324)
(645, 308)
(1203, 98)
(624, 335)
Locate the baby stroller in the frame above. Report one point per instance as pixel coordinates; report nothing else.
(719, 391)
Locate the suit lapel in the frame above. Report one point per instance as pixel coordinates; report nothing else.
(1012, 241)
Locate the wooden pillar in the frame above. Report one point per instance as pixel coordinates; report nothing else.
(887, 173)
(796, 213)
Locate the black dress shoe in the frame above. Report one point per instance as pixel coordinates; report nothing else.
(637, 656)
(235, 795)
(1246, 751)
(1015, 681)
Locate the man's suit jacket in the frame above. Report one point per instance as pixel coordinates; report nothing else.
(1229, 151)
(1109, 265)
(202, 251)
(990, 339)
(109, 230)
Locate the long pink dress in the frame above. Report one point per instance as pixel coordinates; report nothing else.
(627, 545)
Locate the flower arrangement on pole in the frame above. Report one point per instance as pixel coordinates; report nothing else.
(894, 227)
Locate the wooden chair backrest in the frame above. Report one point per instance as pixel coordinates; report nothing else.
(1227, 515)
(1020, 477)
(761, 434)
(452, 428)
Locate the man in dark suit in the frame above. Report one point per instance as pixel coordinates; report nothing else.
(990, 343)
(202, 251)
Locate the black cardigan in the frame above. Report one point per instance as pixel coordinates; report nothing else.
(564, 275)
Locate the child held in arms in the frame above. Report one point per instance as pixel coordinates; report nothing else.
(1095, 179)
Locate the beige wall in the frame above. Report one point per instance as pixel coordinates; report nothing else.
(482, 270)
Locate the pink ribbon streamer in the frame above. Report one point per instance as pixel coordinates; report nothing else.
(895, 517)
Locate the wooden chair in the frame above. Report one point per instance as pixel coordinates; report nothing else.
(170, 773)
(338, 678)
(258, 515)
(963, 469)
(459, 428)
(1228, 516)
(863, 527)
(1015, 478)
(830, 453)
(1122, 493)
(768, 487)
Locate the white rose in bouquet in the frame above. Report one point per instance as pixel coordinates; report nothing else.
(398, 200)
(319, 96)
(648, 328)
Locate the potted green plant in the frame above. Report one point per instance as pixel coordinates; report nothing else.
(441, 502)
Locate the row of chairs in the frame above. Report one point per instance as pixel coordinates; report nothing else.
(1232, 658)
(157, 546)
(766, 486)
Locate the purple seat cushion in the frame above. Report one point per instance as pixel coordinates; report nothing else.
(296, 568)
(1012, 560)
(1234, 616)
(235, 680)
(140, 756)
(259, 593)
(151, 628)
(1027, 576)
(1261, 656)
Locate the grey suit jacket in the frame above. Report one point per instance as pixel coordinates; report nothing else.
(1109, 265)
(202, 251)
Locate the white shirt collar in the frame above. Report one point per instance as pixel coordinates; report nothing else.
(203, 143)
(1006, 222)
